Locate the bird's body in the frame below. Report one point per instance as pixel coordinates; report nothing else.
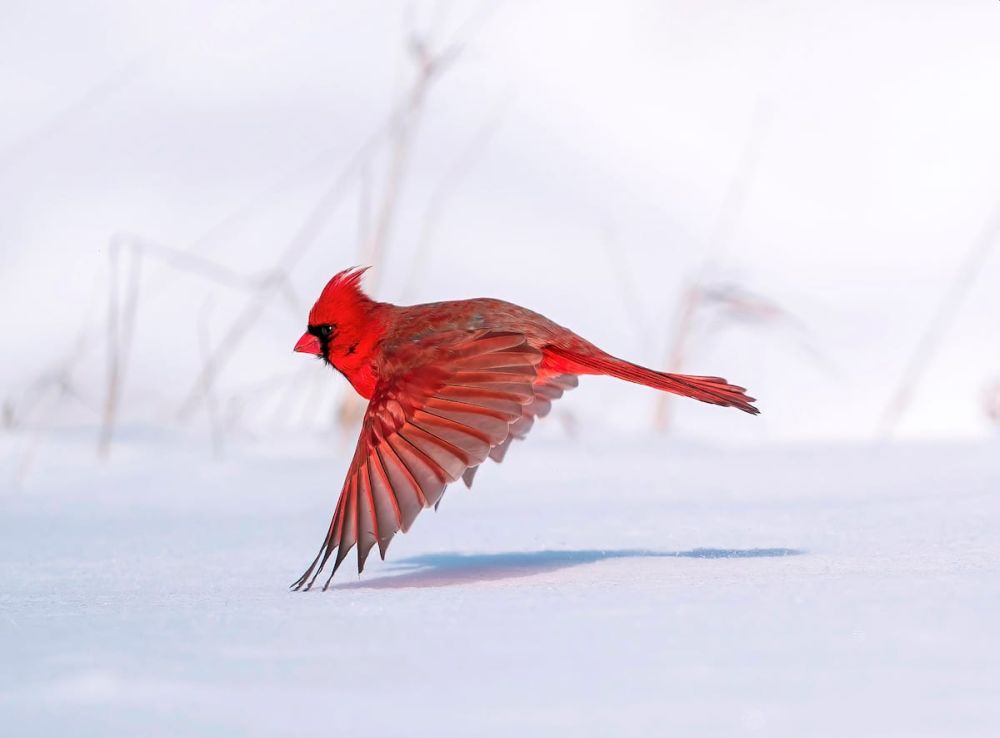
(449, 384)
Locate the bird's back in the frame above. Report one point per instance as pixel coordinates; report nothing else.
(481, 313)
(414, 326)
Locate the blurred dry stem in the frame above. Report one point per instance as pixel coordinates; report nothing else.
(70, 115)
(123, 301)
(374, 240)
(730, 212)
(211, 399)
(639, 320)
(126, 254)
(288, 396)
(991, 403)
(438, 201)
(428, 66)
(941, 321)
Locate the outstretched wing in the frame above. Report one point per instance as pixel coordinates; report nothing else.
(545, 391)
(428, 421)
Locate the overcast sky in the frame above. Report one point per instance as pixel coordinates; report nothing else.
(574, 157)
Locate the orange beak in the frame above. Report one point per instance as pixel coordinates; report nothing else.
(308, 344)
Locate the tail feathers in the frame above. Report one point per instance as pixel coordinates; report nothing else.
(713, 390)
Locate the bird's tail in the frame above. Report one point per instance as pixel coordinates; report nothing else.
(714, 390)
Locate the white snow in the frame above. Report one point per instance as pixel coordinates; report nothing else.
(584, 587)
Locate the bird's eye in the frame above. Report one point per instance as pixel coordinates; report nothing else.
(324, 331)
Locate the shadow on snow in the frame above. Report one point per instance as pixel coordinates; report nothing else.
(447, 569)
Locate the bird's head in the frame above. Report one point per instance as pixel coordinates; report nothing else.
(340, 323)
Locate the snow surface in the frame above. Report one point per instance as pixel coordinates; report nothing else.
(584, 587)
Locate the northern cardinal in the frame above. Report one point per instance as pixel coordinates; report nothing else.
(449, 384)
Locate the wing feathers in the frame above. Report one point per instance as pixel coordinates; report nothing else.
(348, 535)
(461, 400)
(477, 394)
(507, 361)
(387, 509)
(431, 479)
(427, 425)
(473, 442)
(367, 521)
(492, 342)
(477, 377)
(449, 459)
(545, 391)
(408, 495)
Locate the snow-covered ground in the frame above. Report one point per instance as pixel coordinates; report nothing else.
(584, 587)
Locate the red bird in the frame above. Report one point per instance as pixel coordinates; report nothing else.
(449, 384)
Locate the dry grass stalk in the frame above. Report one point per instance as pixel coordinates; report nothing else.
(429, 67)
(680, 345)
(937, 327)
(68, 116)
(211, 400)
(730, 212)
(318, 219)
(127, 252)
(123, 300)
(438, 201)
(991, 403)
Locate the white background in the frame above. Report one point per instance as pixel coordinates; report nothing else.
(579, 155)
